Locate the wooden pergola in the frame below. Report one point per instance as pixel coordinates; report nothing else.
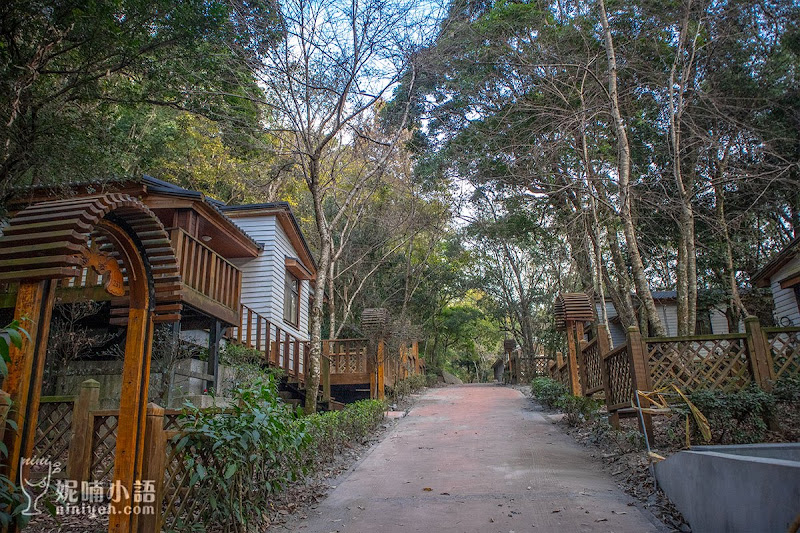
(572, 310)
(113, 240)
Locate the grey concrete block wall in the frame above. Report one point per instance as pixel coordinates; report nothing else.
(744, 489)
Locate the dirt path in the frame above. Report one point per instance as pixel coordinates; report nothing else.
(476, 458)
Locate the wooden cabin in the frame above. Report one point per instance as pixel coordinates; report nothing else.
(711, 320)
(211, 250)
(782, 276)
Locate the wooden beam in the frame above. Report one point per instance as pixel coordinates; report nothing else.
(360, 378)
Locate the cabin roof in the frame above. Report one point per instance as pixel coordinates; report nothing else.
(283, 211)
(763, 276)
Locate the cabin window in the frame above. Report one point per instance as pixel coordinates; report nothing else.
(291, 300)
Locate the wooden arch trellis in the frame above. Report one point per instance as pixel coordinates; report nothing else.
(120, 239)
(572, 310)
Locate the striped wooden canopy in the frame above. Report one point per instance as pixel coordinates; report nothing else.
(50, 240)
(572, 307)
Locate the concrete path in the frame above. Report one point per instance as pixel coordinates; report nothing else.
(476, 458)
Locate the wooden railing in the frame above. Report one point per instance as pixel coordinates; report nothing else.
(206, 272)
(346, 356)
(281, 348)
(592, 375)
(715, 362)
(727, 363)
(617, 367)
(784, 348)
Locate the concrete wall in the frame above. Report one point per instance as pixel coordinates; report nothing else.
(109, 375)
(734, 489)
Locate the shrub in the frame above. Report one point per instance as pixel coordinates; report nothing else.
(787, 390)
(249, 366)
(578, 409)
(332, 431)
(407, 386)
(431, 379)
(12, 501)
(735, 417)
(548, 391)
(237, 459)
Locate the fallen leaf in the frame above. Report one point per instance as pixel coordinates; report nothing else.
(444, 494)
(557, 511)
(602, 520)
(427, 489)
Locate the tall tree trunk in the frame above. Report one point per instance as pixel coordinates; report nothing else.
(624, 171)
(736, 307)
(686, 268)
(331, 302)
(323, 268)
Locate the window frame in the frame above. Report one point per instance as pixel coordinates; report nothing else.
(288, 292)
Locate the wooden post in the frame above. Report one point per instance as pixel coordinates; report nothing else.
(415, 353)
(602, 349)
(640, 373)
(325, 370)
(372, 358)
(572, 354)
(214, 336)
(759, 354)
(23, 384)
(582, 366)
(155, 458)
(380, 377)
(79, 460)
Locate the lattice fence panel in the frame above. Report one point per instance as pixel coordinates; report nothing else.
(563, 375)
(785, 347)
(594, 369)
(539, 365)
(104, 444)
(620, 378)
(182, 505)
(693, 364)
(54, 430)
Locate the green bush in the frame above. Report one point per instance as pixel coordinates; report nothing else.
(548, 391)
(12, 501)
(238, 458)
(408, 386)
(787, 390)
(735, 417)
(579, 409)
(249, 366)
(431, 379)
(335, 430)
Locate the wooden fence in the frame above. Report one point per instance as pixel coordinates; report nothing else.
(717, 362)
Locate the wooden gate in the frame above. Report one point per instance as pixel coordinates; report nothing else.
(116, 240)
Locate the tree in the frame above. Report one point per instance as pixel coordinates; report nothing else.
(336, 61)
(67, 68)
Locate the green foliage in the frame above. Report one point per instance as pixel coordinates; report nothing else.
(249, 366)
(257, 447)
(408, 386)
(579, 409)
(548, 391)
(240, 457)
(79, 79)
(554, 395)
(11, 335)
(735, 417)
(333, 431)
(787, 390)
